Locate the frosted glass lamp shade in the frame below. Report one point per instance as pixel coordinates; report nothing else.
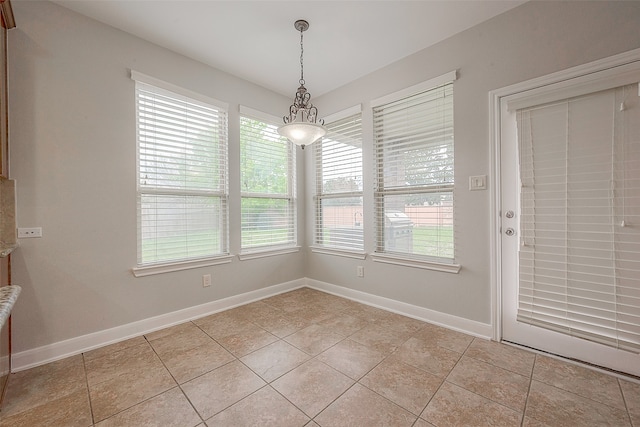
(301, 133)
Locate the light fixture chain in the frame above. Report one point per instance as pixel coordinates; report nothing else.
(301, 58)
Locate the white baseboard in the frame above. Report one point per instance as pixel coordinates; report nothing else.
(59, 350)
(471, 327)
(4, 366)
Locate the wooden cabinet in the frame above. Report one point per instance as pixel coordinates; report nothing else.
(5, 337)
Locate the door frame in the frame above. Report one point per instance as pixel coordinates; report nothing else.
(495, 125)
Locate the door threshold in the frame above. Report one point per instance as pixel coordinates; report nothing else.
(594, 367)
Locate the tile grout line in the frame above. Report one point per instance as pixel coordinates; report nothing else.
(490, 362)
(293, 404)
(235, 358)
(526, 402)
(581, 396)
(267, 383)
(319, 361)
(624, 400)
(86, 379)
(150, 397)
(316, 357)
(485, 397)
(444, 379)
(334, 400)
(416, 367)
(178, 385)
(387, 357)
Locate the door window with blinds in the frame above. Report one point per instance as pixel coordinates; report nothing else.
(339, 214)
(268, 186)
(580, 216)
(414, 173)
(182, 176)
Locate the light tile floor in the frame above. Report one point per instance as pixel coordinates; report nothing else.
(307, 358)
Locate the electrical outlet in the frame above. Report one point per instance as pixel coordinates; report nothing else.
(360, 271)
(25, 233)
(206, 280)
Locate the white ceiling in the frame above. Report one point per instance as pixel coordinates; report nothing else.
(256, 40)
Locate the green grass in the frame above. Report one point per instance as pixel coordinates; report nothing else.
(433, 241)
(172, 247)
(428, 240)
(273, 236)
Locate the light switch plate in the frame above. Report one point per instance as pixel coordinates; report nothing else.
(478, 182)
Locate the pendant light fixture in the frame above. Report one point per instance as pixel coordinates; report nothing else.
(301, 125)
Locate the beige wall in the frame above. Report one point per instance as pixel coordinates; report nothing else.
(529, 41)
(73, 155)
(74, 158)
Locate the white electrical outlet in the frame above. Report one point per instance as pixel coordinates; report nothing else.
(206, 280)
(360, 271)
(25, 233)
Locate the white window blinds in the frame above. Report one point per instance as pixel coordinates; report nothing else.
(182, 177)
(414, 158)
(268, 186)
(339, 214)
(580, 217)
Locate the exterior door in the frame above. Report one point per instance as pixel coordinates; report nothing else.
(563, 256)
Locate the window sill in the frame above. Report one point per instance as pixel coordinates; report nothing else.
(267, 253)
(339, 252)
(178, 266)
(417, 263)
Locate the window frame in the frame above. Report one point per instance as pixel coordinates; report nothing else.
(259, 251)
(221, 193)
(380, 254)
(319, 194)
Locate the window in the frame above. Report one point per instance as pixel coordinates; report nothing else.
(339, 214)
(413, 149)
(267, 169)
(182, 175)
